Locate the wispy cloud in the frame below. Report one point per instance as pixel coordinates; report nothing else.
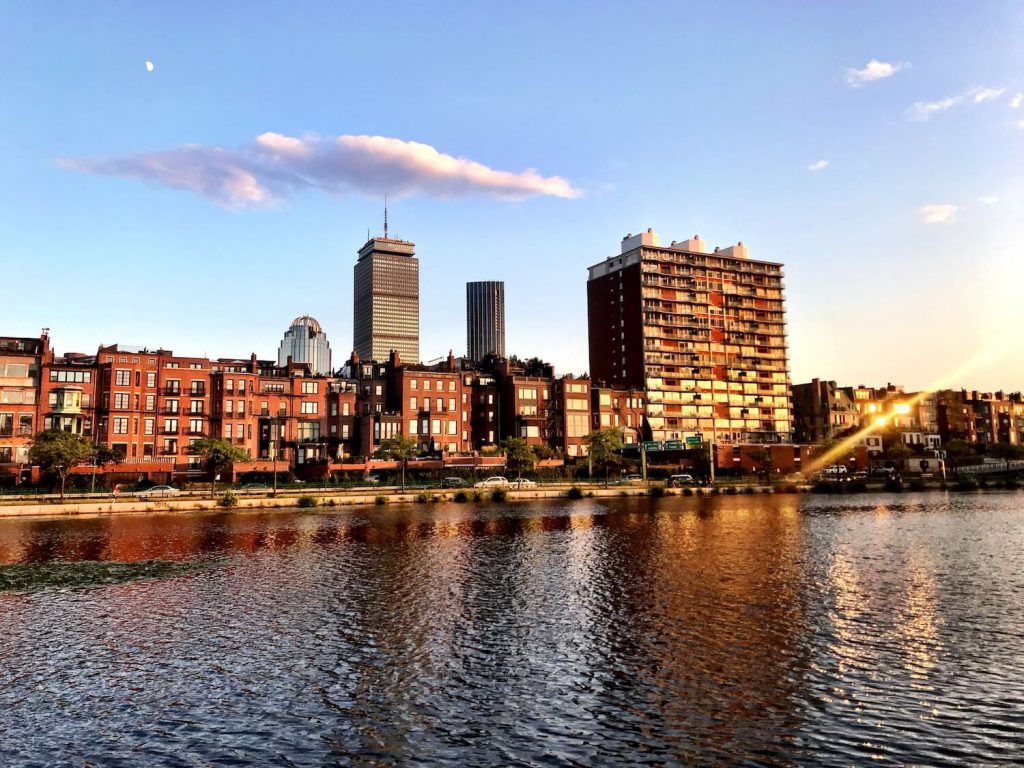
(940, 213)
(818, 166)
(274, 167)
(923, 110)
(986, 94)
(989, 200)
(1016, 101)
(873, 70)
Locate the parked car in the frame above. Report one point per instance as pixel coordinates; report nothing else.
(524, 483)
(493, 482)
(681, 481)
(453, 482)
(253, 487)
(884, 472)
(633, 479)
(159, 490)
(372, 479)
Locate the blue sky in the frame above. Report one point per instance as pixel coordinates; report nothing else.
(691, 119)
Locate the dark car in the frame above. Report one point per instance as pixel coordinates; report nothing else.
(453, 482)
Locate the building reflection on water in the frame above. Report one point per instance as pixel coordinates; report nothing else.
(730, 627)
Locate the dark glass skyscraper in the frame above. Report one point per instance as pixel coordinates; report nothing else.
(387, 300)
(485, 319)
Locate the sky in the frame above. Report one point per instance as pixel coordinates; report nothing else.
(192, 176)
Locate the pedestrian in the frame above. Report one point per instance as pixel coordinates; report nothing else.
(114, 491)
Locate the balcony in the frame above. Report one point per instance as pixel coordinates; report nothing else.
(197, 392)
(170, 431)
(170, 411)
(172, 391)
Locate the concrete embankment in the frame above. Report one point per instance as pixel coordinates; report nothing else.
(328, 498)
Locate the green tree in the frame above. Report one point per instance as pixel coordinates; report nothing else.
(603, 446)
(959, 453)
(217, 455)
(518, 450)
(762, 459)
(399, 448)
(58, 452)
(1007, 452)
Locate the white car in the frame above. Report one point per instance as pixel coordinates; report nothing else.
(493, 482)
(159, 490)
(524, 483)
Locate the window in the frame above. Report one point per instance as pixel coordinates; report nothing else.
(309, 407)
(310, 387)
(241, 386)
(412, 426)
(379, 390)
(241, 407)
(122, 401)
(414, 384)
(344, 431)
(24, 424)
(171, 406)
(413, 404)
(195, 426)
(435, 425)
(451, 386)
(426, 403)
(345, 409)
(453, 427)
(123, 377)
(147, 426)
(426, 385)
(170, 425)
(120, 425)
(451, 403)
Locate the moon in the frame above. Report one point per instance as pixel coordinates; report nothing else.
(149, 66)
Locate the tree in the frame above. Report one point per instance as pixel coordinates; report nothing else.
(603, 446)
(217, 455)
(762, 458)
(1007, 453)
(400, 448)
(959, 453)
(518, 450)
(60, 452)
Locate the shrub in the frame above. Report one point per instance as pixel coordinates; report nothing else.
(731, 490)
(916, 484)
(1011, 485)
(983, 484)
(306, 501)
(893, 485)
(477, 496)
(590, 494)
(575, 493)
(498, 494)
(656, 491)
(461, 497)
(787, 488)
(380, 501)
(715, 490)
(965, 484)
(687, 491)
(332, 503)
(822, 486)
(857, 486)
(748, 490)
(228, 500)
(422, 498)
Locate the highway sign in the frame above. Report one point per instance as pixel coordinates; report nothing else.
(695, 440)
(652, 445)
(673, 445)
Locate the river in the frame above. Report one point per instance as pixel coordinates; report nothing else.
(758, 630)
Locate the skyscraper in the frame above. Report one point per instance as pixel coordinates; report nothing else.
(704, 333)
(485, 319)
(305, 342)
(387, 300)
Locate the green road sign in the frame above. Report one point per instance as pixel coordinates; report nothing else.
(693, 440)
(673, 445)
(652, 445)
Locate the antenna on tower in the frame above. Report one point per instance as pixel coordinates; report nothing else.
(385, 217)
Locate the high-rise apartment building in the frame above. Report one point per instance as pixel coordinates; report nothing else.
(387, 300)
(485, 319)
(703, 333)
(306, 342)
